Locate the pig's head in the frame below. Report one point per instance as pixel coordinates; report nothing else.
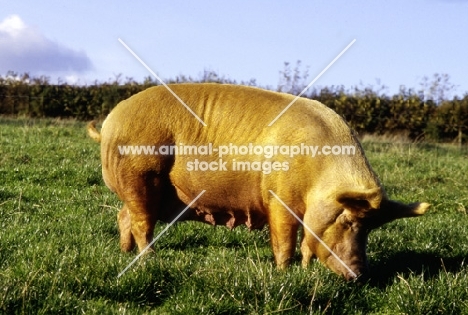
(355, 214)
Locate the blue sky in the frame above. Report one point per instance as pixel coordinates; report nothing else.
(397, 42)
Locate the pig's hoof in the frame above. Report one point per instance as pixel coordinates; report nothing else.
(147, 251)
(127, 244)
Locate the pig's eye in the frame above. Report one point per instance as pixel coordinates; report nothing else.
(345, 220)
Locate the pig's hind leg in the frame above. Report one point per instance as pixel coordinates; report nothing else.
(127, 241)
(138, 216)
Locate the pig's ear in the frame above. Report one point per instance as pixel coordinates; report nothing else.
(399, 210)
(391, 210)
(361, 200)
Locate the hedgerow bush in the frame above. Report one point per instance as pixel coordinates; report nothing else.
(366, 109)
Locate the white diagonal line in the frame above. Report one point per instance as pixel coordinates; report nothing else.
(313, 81)
(315, 235)
(162, 82)
(160, 234)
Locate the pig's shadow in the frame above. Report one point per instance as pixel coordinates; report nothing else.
(408, 262)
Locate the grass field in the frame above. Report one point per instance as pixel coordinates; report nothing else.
(59, 245)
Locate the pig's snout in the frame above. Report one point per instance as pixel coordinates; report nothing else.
(357, 273)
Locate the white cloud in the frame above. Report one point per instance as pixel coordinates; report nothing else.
(25, 49)
(12, 25)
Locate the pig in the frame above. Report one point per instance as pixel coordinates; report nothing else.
(337, 197)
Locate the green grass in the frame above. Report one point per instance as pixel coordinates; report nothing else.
(59, 249)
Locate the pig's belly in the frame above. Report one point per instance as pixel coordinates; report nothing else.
(231, 197)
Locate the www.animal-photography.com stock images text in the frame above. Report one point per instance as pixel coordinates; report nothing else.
(246, 157)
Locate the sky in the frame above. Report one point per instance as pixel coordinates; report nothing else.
(398, 42)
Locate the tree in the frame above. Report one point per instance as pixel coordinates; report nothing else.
(293, 81)
(437, 90)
